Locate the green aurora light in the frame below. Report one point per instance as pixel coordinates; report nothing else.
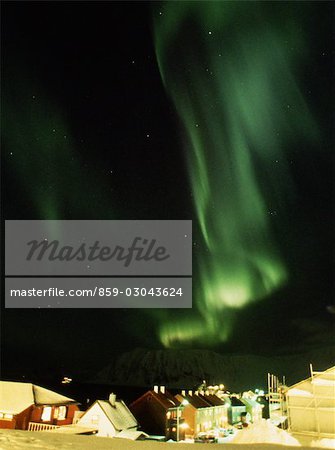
(231, 70)
(46, 160)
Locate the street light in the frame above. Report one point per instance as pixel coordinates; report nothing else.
(182, 404)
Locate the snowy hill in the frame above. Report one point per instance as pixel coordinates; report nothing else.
(187, 368)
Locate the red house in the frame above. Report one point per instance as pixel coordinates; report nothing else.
(159, 413)
(24, 403)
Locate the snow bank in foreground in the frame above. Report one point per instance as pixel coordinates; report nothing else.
(264, 432)
(25, 440)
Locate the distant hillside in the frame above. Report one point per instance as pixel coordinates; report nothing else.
(187, 368)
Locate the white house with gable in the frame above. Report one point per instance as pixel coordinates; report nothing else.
(110, 418)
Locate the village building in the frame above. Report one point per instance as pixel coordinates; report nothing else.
(235, 409)
(110, 418)
(220, 416)
(199, 414)
(26, 406)
(160, 413)
(254, 409)
(311, 405)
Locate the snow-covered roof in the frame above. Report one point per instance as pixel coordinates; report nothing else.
(251, 402)
(15, 397)
(194, 400)
(325, 378)
(166, 400)
(299, 393)
(119, 415)
(233, 401)
(131, 434)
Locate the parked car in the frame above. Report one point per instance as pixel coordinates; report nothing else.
(206, 438)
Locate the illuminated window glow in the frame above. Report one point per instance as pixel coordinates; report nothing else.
(60, 413)
(46, 414)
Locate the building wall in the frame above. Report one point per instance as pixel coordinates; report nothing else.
(8, 424)
(315, 421)
(234, 414)
(205, 419)
(95, 417)
(37, 412)
(220, 416)
(172, 429)
(311, 406)
(189, 414)
(71, 409)
(150, 414)
(19, 421)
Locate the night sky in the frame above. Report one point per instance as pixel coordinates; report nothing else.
(219, 112)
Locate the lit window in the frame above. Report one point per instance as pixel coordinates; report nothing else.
(60, 413)
(168, 415)
(8, 416)
(1, 415)
(46, 414)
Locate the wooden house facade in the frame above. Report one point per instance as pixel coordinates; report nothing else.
(24, 404)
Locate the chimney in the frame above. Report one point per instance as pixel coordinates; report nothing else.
(112, 399)
(190, 393)
(183, 392)
(162, 389)
(156, 389)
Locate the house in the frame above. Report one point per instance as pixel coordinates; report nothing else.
(160, 413)
(311, 405)
(198, 414)
(235, 409)
(263, 400)
(110, 418)
(22, 404)
(253, 408)
(220, 412)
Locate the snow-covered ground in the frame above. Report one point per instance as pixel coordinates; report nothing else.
(25, 440)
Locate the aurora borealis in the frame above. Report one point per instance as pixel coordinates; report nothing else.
(42, 144)
(231, 71)
(219, 112)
